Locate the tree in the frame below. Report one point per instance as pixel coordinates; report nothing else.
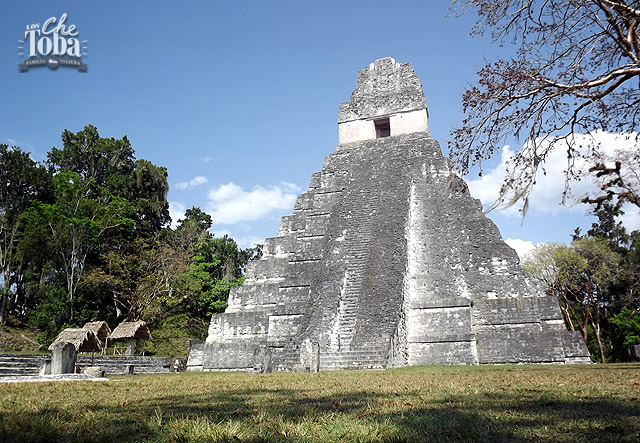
(148, 193)
(215, 268)
(106, 162)
(627, 325)
(543, 263)
(77, 222)
(216, 265)
(139, 275)
(558, 269)
(86, 237)
(624, 293)
(105, 200)
(191, 230)
(184, 270)
(110, 164)
(599, 273)
(576, 69)
(21, 180)
(579, 275)
(632, 271)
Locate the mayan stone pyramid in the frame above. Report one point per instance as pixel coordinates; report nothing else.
(386, 261)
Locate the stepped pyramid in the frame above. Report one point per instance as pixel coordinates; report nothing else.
(386, 261)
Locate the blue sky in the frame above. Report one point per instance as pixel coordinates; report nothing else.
(239, 99)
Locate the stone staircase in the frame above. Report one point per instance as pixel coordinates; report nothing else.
(372, 356)
(21, 364)
(345, 325)
(346, 350)
(30, 364)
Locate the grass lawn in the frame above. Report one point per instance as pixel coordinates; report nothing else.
(487, 403)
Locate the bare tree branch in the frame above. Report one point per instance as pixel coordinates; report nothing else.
(572, 73)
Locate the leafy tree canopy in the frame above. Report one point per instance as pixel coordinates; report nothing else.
(86, 237)
(596, 280)
(109, 165)
(21, 181)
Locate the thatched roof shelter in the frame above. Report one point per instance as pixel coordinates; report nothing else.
(84, 340)
(131, 330)
(100, 328)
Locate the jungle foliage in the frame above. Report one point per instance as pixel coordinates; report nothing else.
(85, 235)
(597, 282)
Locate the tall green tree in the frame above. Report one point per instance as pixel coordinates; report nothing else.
(599, 273)
(559, 269)
(142, 276)
(192, 229)
(623, 294)
(104, 200)
(148, 194)
(216, 264)
(580, 275)
(215, 268)
(548, 263)
(78, 221)
(21, 180)
(109, 165)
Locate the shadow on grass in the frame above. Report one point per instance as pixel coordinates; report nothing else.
(486, 416)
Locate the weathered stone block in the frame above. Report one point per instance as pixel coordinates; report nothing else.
(445, 353)
(195, 361)
(518, 343)
(234, 355)
(573, 344)
(508, 310)
(281, 326)
(63, 358)
(45, 369)
(262, 360)
(94, 371)
(439, 324)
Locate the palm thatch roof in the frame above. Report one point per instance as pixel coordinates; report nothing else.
(131, 330)
(84, 340)
(100, 328)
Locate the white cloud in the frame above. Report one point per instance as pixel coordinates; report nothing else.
(631, 218)
(230, 203)
(176, 212)
(522, 247)
(205, 159)
(546, 197)
(225, 192)
(487, 187)
(193, 183)
(12, 141)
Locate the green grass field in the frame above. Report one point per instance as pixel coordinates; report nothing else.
(487, 403)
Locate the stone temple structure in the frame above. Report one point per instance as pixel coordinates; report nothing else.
(386, 261)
